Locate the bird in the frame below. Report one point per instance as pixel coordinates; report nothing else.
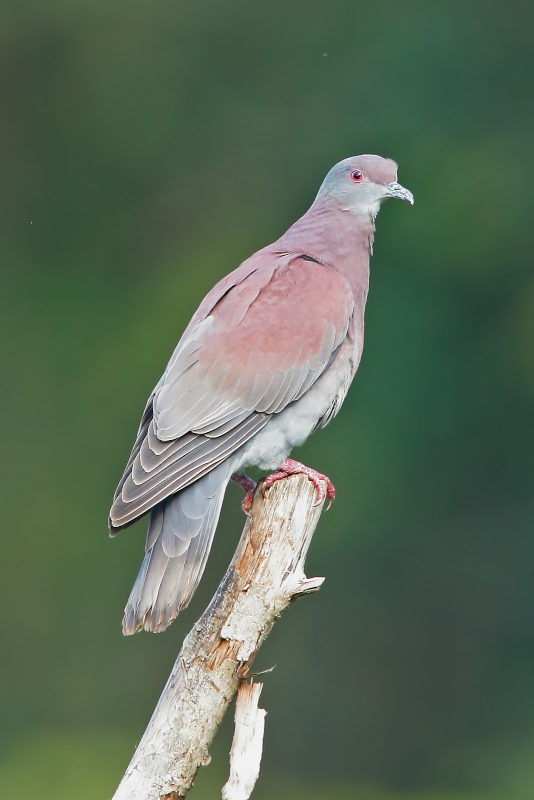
(266, 360)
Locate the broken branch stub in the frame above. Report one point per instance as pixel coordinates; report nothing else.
(266, 574)
(247, 745)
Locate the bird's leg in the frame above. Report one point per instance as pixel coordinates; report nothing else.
(291, 467)
(249, 486)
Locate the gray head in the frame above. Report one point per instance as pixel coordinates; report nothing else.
(361, 183)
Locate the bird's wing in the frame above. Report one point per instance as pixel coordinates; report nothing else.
(259, 347)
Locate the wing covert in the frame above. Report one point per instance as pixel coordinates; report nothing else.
(260, 346)
(255, 351)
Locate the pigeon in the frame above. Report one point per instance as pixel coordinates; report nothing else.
(267, 359)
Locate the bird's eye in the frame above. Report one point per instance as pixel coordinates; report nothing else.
(356, 176)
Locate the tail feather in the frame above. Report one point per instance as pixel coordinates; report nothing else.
(179, 539)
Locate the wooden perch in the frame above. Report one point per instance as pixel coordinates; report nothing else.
(266, 574)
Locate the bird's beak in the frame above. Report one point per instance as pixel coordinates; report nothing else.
(396, 190)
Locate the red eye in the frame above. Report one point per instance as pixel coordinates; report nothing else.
(356, 176)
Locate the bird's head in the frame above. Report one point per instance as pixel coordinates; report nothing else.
(361, 183)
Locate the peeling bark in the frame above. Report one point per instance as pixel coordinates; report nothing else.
(266, 574)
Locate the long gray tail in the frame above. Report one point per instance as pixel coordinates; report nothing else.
(178, 543)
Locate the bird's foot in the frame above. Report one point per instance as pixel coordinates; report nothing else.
(249, 486)
(291, 467)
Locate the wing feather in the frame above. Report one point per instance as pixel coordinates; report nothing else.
(151, 459)
(272, 392)
(218, 428)
(246, 356)
(254, 331)
(291, 389)
(134, 500)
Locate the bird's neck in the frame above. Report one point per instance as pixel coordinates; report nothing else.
(335, 237)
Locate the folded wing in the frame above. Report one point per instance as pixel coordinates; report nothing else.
(259, 346)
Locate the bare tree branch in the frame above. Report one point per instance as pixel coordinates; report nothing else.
(266, 574)
(247, 746)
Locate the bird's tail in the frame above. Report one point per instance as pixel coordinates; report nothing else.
(179, 539)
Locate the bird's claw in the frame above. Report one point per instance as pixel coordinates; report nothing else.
(246, 505)
(290, 467)
(319, 480)
(271, 479)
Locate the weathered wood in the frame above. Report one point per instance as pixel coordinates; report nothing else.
(247, 745)
(266, 574)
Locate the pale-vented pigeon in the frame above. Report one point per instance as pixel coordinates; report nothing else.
(267, 358)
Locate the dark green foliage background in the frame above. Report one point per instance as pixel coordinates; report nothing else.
(145, 149)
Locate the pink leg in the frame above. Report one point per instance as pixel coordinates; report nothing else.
(291, 467)
(249, 486)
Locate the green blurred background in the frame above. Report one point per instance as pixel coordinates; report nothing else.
(146, 148)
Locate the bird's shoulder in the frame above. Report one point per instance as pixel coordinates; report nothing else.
(270, 282)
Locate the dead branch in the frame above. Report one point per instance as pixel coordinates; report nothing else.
(266, 574)
(247, 745)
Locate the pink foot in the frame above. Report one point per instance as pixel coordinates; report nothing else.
(249, 486)
(291, 467)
